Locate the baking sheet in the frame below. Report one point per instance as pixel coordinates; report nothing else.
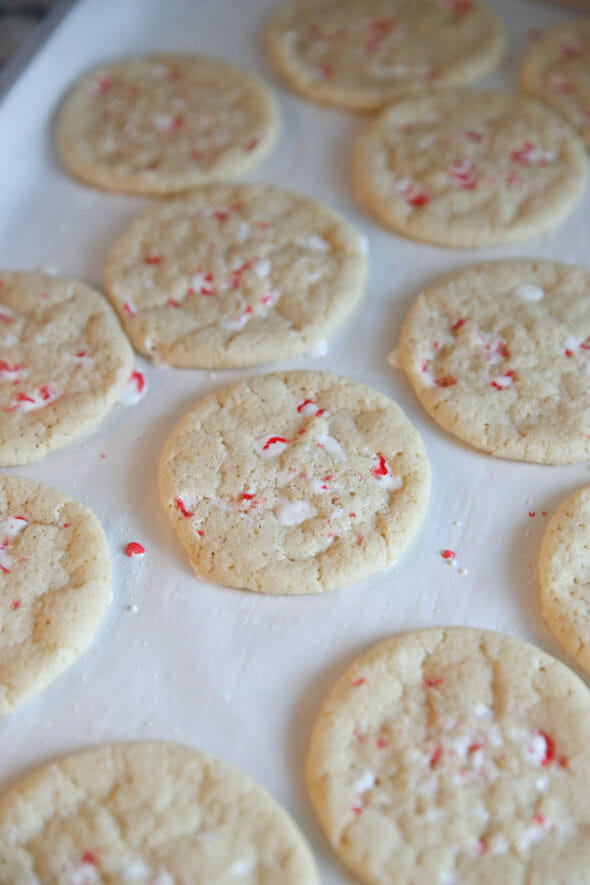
(242, 676)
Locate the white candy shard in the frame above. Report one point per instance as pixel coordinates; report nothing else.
(294, 512)
(528, 292)
(331, 445)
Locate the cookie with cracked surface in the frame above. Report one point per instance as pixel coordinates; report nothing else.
(151, 813)
(564, 573)
(65, 361)
(234, 275)
(294, 482)
(455, 756)
(462, 168)
(161, 123)
(557, 70)
(361, 54)
(55, 584)
(499, 355)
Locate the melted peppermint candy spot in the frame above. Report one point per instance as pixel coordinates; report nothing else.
(502, 382)
(528, 292)
(10, 371)
(384, 475)
(10, 527)
(462, 173)
(331, 445)
(237, 322)
(270, 446)
(310, 408)
(290, 513)
(6, 314)
(529, 155)
(38, 399)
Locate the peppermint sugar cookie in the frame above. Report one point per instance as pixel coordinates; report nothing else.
(64, 363)
(150, 813)
(234, 275)
(499, 355)
(462, 168)
(363, 53)
(162, 123)
(55, 584)
(295, 482)
(455, 756)
(557, 70)
(564, 573)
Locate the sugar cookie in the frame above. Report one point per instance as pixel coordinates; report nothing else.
(149, 813)
(162, 123)
(462, 168)
(455, 755)
(64, 363)
(557, 70)
(295, 482)
(55, 583)
(564, 572)
(499, 355)
(234, 275)
(363, 53)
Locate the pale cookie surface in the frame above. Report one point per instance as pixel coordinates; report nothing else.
(65, 361)
(499, 355)
(234, 275)
(162, 123)
(462, 168)
(455, 757)
(149, 813)
(55, 584)
(557, 70)
(294, 482)
(564, 573)
(363, 53)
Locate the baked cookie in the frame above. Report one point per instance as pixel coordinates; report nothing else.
(463, 168)
(455, 755)
(564, 573)
(295, 482)
(499, 355)
(161, 123)
(557, 70)
(151, 813)
(361, 54)
(64, 362)
(234, 275)
(55, 583)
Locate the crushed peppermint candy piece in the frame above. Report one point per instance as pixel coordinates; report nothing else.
(290, 513)
(135, 550)
(270, 446)
(134, 390)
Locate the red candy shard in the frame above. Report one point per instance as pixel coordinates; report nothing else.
(152, 259)
(360, 681)
(381, 468)
(420, 200)
(15, 603)
(274, 439)
(435, 756)
(448, 554)
(432, 682)
(180, 506)
(89, 857)
(134, 549)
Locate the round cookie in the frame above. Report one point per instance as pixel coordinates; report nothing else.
(564, 573)
(234, 275)
(64, 362)
(499, 356)
(361, 54)
(294, 482)
(455, 755)
(151, 813)
(462, 168)
(55, 584)
(557, 70)
(161, 123)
